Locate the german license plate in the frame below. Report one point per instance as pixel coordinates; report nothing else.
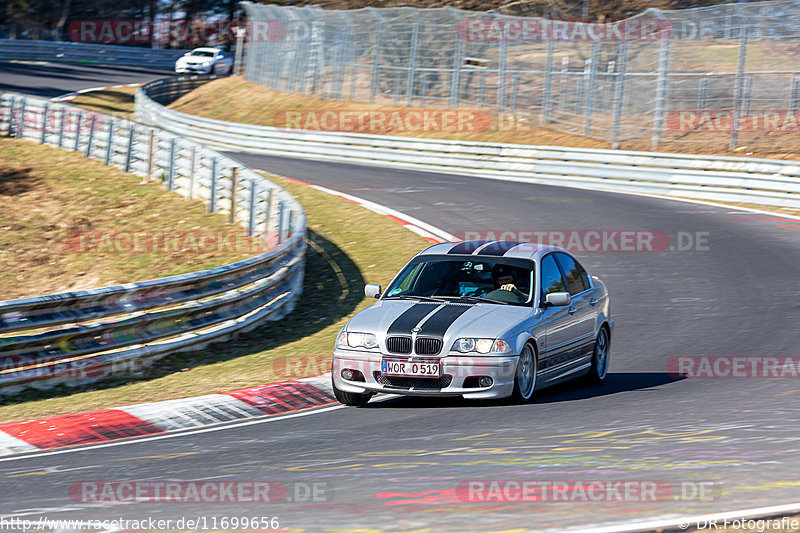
(421, 369)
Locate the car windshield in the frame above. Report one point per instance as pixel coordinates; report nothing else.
(467, 279)
(202, 53)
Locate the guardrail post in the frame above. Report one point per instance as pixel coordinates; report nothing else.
(251, 222)
(61, 127)
(171, 174)
(76, 147)
(268, 214)
(280, 221)
(129, 153)
(192, 171)
(548, 82)
(589, 88)
(44, 123)
(110, 145)
(234, 192)
(151, 154)
(91, 136)
(212, 201)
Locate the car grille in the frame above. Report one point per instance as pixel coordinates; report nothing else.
(425, 346)
(398, 344)
(416, 383)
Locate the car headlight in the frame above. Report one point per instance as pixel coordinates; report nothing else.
(469, 344)
(356, 340)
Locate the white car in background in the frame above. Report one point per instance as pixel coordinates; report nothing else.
(204, 60)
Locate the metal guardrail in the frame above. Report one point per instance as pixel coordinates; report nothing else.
(719, 178)
(81, 336)
(100, 54)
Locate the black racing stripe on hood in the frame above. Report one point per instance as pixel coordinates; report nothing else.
(403, 324)
(437, 324)
(499, 247)
(466, 247)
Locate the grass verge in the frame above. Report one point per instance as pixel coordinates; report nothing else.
(114, 101)
(67, 223)
(348, 246)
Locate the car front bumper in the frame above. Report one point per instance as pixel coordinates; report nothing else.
(193, 69)
(455, 370)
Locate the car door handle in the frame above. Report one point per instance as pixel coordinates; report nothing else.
(593, 301)
(571, 310)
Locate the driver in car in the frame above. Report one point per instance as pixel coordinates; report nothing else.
(503, 277)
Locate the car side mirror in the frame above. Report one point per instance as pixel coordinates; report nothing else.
(558, 299)
(372, 290)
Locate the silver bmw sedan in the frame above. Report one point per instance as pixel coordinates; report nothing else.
(478, 319)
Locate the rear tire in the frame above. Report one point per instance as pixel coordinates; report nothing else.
(352, 399)
(525, 376)
(599, 371)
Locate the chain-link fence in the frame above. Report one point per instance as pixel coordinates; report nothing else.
(728, 74)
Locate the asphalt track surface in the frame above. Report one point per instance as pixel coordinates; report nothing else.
(396, 464)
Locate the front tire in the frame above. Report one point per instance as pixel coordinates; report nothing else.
(352, 399)
(525, 376)
(599, 371)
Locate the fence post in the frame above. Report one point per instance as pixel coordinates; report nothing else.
(701, 98)
(91, 136)
(151, 154)
(662, 86)
(251, 222)
(412, 62)
(289, 221)
(21, 121)
(110, 145)
(590, 89)
(280, 221)
(11, 116)
(268, 214)
(501, 73)
(44, 123)
(61, 127)
(192, 171)
(129, 149)
(237, 61)
(548, 82)
(212, 202)
(794, 93)
(455, 80)
(376, 56)
(739, 87)
(78, 131)
(234, 192)
(619, 91)
(171, 172)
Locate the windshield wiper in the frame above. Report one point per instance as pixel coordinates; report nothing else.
(410, 297)
(474, 299)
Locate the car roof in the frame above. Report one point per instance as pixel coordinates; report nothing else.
(206, 49)
(488, 249)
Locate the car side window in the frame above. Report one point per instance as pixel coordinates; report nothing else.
(552, 281)
(577, 279)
